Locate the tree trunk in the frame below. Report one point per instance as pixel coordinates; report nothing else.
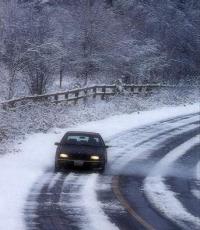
(11, 83)
(61, 77)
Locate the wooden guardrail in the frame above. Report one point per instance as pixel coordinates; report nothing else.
(84, 93)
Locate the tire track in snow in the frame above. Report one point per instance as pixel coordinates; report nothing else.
(32, 202)
(43, 208)
(170, 122)
(79, 201)
(196, 190)
(158, 128)
(162, 197)
(185, 182)
(97, 218)
(137, 142)
(70, 199)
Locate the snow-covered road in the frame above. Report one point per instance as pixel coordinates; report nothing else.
(161, 196)
(86, 201)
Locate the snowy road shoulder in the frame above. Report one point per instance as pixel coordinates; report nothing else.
(21, 170)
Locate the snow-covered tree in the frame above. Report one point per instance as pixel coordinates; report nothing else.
(98, 41)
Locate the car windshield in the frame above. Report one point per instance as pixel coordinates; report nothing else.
(74, 139)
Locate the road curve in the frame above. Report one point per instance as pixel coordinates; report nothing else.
(118, 199)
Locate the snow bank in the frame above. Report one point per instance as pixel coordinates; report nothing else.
(19, 171)
(119, 123)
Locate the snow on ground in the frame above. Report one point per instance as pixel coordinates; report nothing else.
(196, 191)
(19, 171)
(161, 196)
(89, 213)
(119, 123)
(123, 154)
(97, 218)
(198, 171)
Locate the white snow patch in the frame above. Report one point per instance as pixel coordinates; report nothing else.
(79, 198)
(120, 157)
(165, 200)
(44, 1)
(161, 196)
(94, 212)
(54, 180)
(119, 123)
(164, 164)
(196, 192)
(19, 171)
(198, 171)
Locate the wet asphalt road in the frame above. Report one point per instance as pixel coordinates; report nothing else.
(57, 201)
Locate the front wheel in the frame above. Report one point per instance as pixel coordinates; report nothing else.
(102, 168)
(57, 168)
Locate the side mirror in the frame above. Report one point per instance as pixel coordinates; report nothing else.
(107, 146)
(57, 143)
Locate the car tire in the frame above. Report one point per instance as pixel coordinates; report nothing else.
(57, 168)
(102, 168)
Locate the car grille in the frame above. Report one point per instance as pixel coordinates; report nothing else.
(79, 156)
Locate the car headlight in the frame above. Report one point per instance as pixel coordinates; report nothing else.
(64, 155)
(94, 157)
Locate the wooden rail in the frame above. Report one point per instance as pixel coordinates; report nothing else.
(83, 93)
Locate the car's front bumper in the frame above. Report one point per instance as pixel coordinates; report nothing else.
(80, 163)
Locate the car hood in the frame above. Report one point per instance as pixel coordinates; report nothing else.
(74, 149)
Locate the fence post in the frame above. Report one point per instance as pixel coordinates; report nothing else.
(144, 90)
(103, 92)
(85, 95)
(76, 97)
(56, 98)
(94, 92)
(4, 106)
(132, 88)
(115, 90)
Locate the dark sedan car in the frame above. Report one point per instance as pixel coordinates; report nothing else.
(79, 149)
